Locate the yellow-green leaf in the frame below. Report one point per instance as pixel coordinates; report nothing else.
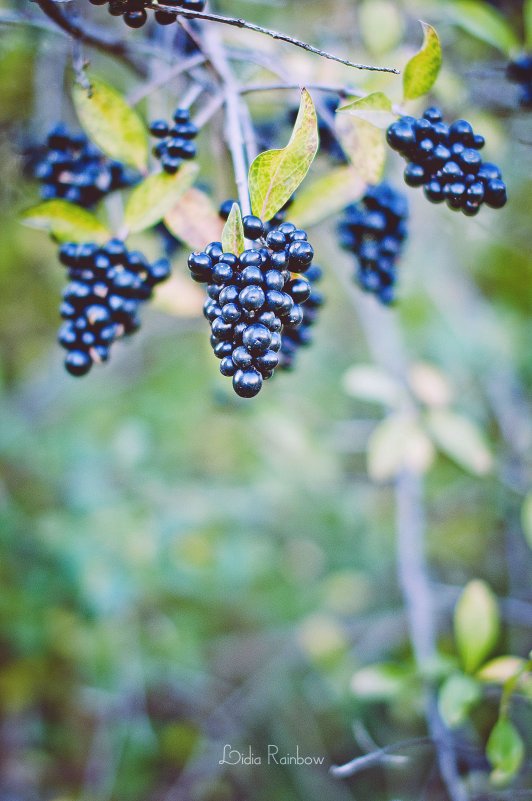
(66, 222)
(422, 70)
(476, 624)
(194, 220)
(233, 232)
(364, 145)
(327, 195)
(484, 23)
(375, 108)
(461, 440)
(456, 697)
(383, 681)
(381, 25)
(527, 21)
(501, 669)
(152, 199)
(276, 174)
(505, 750)
(111, 123)
(526, 518)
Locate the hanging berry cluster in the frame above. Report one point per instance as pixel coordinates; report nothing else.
(176, 140)
(74, 169)
(519, 71)
(253, 298)
(374, 231)
(444, 159)
(101, 303)
(134, 12)
(296, 336)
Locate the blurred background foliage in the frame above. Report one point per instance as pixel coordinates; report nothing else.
(181, 570)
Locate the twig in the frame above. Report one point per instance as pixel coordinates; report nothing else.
(251, 26)
(337, 89)
(381, 755)
(147, 88)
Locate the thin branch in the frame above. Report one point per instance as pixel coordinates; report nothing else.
(251, 26)
(376, 757)
(337, 89)
(161, 79)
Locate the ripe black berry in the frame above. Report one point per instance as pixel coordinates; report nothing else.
(175, 141)
(134, 11)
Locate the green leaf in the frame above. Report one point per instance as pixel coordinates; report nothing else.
(398, 443)
(484, 23)
(461, 440)
(151, 200)
(373, 384)
(505, 750)
(476, 624)
(364, 145)
(527, 22)
(456, 697)
(233, 232)
(381, 25)
(111, 124)
(380, 682)
(375, 108)
(422, 70)
(501, 669)
(66, 222)
(327, 195)
(276, 174)
(194, 220)
(526, 518)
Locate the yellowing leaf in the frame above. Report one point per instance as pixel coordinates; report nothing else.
(422, 70)
(194, 220)
(152, 199)
(66, 222)
(456, 697)
(364, 145)
(395, 444)
(501, 669)
(111, 124)
(484, 23)
(233, 232)
(505, 750)
(476, 624)
(326, 196)
(461, 440)
(375, 108)
(276, 174)
(381, 25)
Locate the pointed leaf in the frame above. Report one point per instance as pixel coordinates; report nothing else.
(233, 232)
(476, 624)
(152, 199)
(364, 145)
(276, 174)
(194, 220)
(111, 124)
(375, 108)
(484, 23)
(505, 750)
(456, 697)
(461, 440)
(381, 25)
(66, 222)
(422, 70)
(326, 196)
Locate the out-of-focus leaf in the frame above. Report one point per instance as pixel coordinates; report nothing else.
(476, 624)
(327, 195)
(461, 440)
(276, 174)
(233, 233)
(152, 199)
(111, 123)
(429, 384)
(505, 750)
(422, 70)
(500, 669)
(66, 222)
(398, 443)
(456, 697)
(364, 145)
(484, 23)
(526, 518)
(527, 21)
(194, 220)
(369, 383)
(381, 25)
(375, 108)
(380, 682)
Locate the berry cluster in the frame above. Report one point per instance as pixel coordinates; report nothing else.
(75, 170)
(176, 140)
(298, 336)
(253, 299)
(520, 71)
(102, 301)
(374, 230)
(134, 13)
(444, 159)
